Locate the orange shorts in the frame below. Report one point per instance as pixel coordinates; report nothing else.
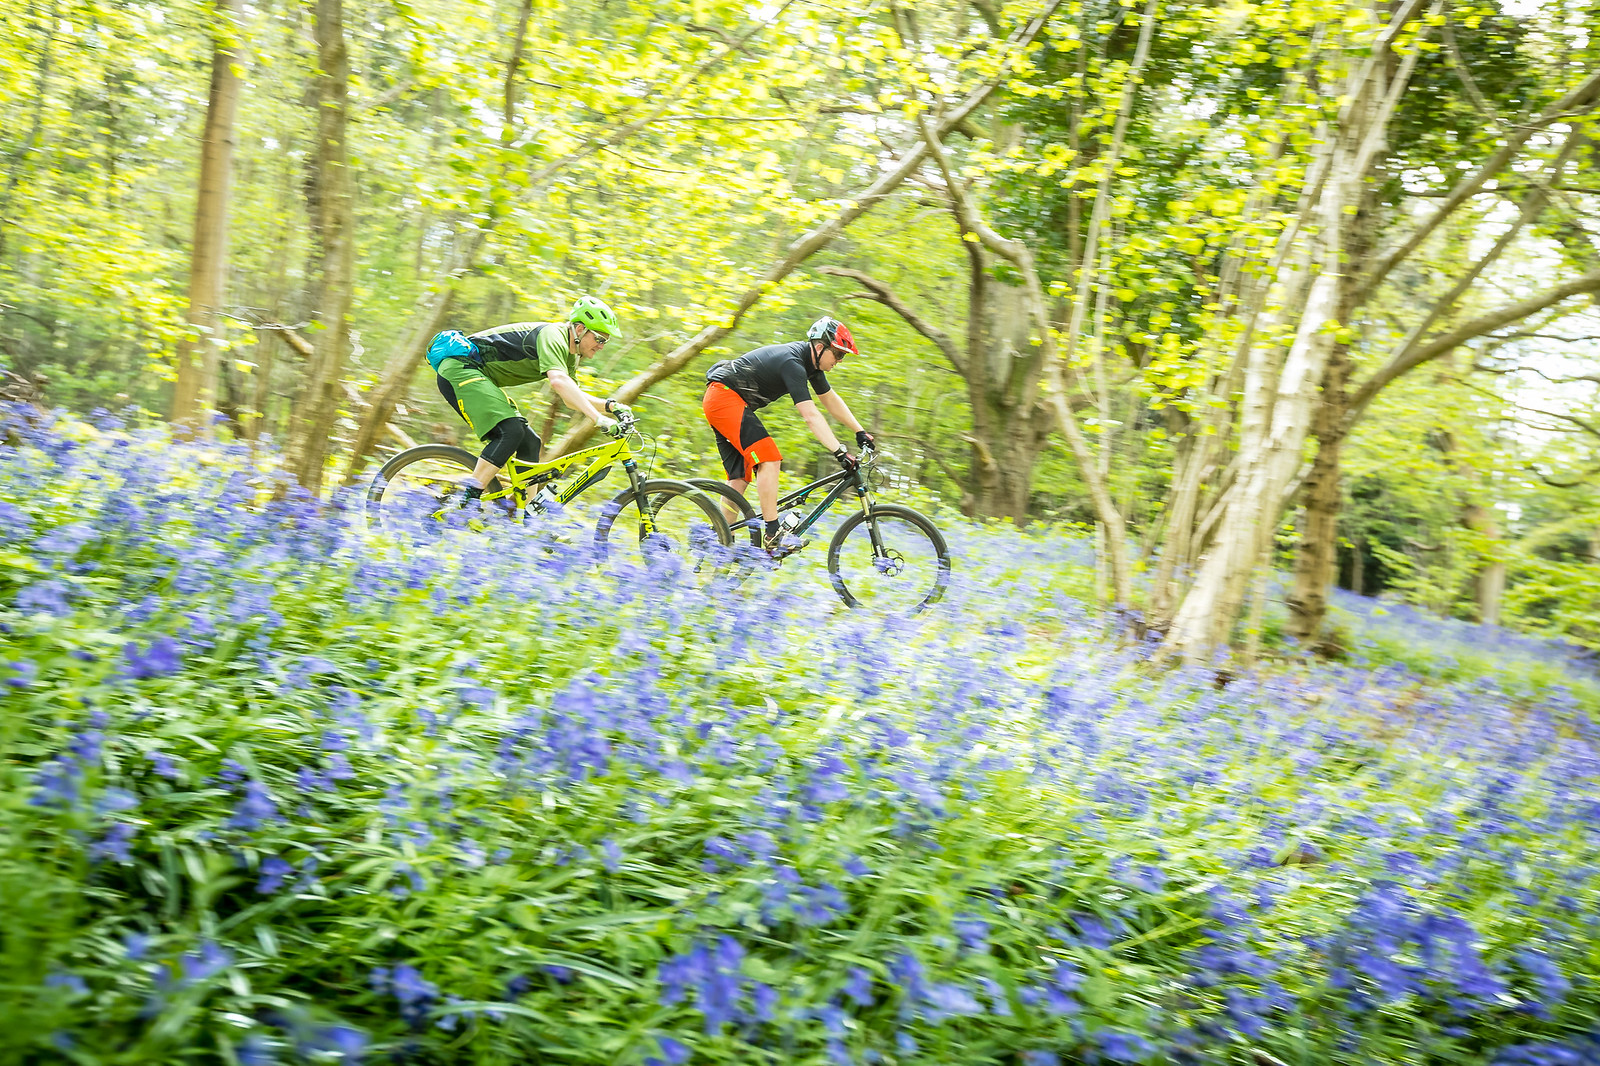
(742, 440)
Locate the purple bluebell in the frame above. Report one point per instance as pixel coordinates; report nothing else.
(75, 985)
(999, 1002)
(255, 809)
(972, 931)
(209, 961)
(858, 986)
(162, 764)
(160, 658)
(58, 782)
(414, 993)
(115, 845)
(255, 1050)
(22, 673)
(273, 872)
(673, 1052)
(1120, 1046)
(347, 1044)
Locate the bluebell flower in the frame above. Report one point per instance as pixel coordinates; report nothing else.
(610, 855)
(856, 868)
(135, 944)
(972, 931)
(162, 764)
(116, 844)
(346, 1043)
(1120, 1046)
(563, 975)
(414, 993)
(944, 1000)
(273, 872)
(673, 1052)
(209, 961)
(58, 783)
(858, 986)
(1037, 1057)
(763, 1001)
(255, 809)
(905, 1043)
(52, 597)
(22, 673)
(255, 1050)
(75, 985)
(999, 1003)
(1553, 984)
(160, 658)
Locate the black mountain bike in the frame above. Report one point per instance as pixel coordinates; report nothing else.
(882, 557)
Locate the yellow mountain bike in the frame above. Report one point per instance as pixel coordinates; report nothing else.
(423, 489)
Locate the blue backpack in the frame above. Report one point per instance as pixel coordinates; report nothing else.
(451, 343)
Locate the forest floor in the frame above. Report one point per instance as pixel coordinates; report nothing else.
(274, 788)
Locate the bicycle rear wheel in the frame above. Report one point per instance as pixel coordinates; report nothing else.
(889, 559)
(746, 513)
(420, 490)
(685, 533)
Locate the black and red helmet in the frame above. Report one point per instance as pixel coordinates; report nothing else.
(833, 333)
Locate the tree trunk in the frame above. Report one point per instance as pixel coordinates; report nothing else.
(1489, 583)
(332, 232)
(1009, 428)
(1280, 400)
(1317, 554)
(200, 351)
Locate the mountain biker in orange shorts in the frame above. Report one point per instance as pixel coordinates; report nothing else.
(738, 388)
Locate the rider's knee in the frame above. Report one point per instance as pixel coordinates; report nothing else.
(511, 436)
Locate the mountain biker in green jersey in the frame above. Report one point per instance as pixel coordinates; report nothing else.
(474, 371)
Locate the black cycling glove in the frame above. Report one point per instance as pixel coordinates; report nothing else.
(865, 439)
(846, 460)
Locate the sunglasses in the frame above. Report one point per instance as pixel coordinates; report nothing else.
(600, 339)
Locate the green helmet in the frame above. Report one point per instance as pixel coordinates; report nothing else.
(592, 313)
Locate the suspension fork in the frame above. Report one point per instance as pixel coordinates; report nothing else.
(647, 522)
(878, 549)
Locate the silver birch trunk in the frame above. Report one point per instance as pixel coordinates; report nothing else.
(312, 425)
(199, 354)
(1280, 400)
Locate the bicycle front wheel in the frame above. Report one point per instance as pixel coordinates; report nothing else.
(891, 559)
(420, 490)
(677, 527)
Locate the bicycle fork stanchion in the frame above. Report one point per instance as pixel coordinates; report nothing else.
(647, 524)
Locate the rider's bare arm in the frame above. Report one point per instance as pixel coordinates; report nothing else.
(562, 385)
(817, 424)
(839, 410)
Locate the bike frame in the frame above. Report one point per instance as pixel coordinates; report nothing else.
(840, 483)
(601, 458)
